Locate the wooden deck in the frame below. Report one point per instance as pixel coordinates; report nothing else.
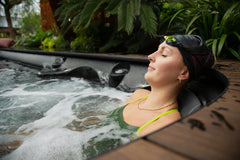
(211, 133)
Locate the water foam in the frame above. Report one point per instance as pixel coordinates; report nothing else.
(61, 103)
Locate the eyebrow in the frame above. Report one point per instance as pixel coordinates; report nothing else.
(163, 47)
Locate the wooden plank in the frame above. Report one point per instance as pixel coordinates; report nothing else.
(141, 150)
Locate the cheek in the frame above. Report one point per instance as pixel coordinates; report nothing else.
(166, 71)
(169, 68)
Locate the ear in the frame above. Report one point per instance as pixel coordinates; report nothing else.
(184, 74)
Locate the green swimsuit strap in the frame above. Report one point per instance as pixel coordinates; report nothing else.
(155, 118)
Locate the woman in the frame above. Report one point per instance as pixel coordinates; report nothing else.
(178, 60)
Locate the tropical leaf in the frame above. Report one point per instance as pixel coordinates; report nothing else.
(237, 34)
(174, 16)
(89, 9)
(69, 13)
(148, 20)
(75, 21)
(191, 22)
(130, 17)
(214, 47)
(235, 53)
(137, 7)
(192, 30)
(227, 15)
(112, 5)
(221, 43)
(122, 15)
(111, 44)
(209, 42)
(205, 23)
(214, 29)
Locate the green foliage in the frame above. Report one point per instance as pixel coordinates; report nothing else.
(4, 35)
(148, 20)
(79, 14)
(54, 42)
(60, 42)
(134, 43)
(217, 21)
(91, 6)
(48, 43)
(220, 30)
(134, 25)
(171, 12)
(109, 25)
(34, 40)
(30, 24)
(82, 43)
(7, 5)
(31, 34)
(91, 38)
(236, 52)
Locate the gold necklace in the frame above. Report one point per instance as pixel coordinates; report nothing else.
(154, 109)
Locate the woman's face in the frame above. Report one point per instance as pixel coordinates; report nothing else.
(166, 64)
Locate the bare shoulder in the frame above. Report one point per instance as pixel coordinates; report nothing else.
(138, 94)
(161, 122)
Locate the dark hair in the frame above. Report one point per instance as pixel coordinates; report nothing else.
(196, 55)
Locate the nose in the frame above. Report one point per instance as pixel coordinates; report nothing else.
(151, 57)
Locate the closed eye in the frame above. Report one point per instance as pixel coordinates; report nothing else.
(164, 50)
(164, 55)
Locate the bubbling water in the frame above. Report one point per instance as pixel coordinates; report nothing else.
(56, 118)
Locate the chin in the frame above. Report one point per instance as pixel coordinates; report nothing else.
(147, 77)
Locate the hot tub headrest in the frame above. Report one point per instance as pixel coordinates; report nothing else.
(202, 92)
(188, 103)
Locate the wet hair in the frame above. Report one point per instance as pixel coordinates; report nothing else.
(196, 55)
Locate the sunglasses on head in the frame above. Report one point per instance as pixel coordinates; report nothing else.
(171, 40)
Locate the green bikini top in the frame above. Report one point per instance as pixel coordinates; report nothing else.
(117, 114)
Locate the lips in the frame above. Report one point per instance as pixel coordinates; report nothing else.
(150, 68)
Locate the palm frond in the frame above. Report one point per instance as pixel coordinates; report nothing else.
(68, 14)
(130, 17)
(148, 20)
(89, 9)
(122, 15)
(112, 5)
(137, 7)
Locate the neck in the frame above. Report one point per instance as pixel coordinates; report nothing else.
(161, 96)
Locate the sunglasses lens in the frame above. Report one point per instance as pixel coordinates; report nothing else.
(171, 40)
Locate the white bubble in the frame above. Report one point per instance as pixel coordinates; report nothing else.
(48, 116)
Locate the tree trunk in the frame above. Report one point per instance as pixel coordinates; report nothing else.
(9, 21)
